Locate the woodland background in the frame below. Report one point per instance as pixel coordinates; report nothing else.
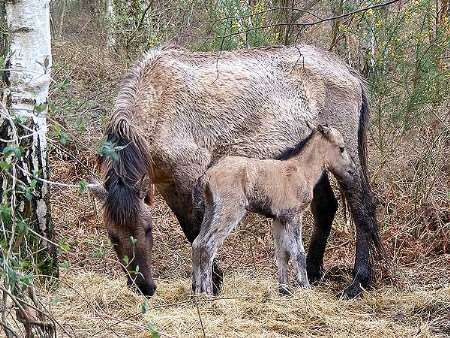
(403, 51)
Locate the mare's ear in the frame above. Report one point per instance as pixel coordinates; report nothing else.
(97, 189)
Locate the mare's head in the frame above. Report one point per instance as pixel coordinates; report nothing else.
(337, 159)
(127, 216)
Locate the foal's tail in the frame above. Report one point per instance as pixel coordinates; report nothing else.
(128, 172)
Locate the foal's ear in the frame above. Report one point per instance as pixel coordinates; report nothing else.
(323, 129)
(310, 125)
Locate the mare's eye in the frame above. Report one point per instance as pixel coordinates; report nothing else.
(114, 239)
(342, 149)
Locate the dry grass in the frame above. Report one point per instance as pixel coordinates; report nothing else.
(94, 301)
(91, 304)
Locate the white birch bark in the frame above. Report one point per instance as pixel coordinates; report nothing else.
(110, 16)
(30, 62)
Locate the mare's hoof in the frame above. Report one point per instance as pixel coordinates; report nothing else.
(315, 275)
(352, 291)
(284, 290)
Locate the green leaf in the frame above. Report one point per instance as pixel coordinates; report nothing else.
(109, 149)
(22, 227)
(145, 307)
(64, 138)
(4, 166)
(39, 108)
(126, 260)
(64, 246)
(5, 213)
(64, 264)
(26, 279)
(64, 84)
(151, 328)
(12, 150)
(55, 301)
(20, 119)
(82, 186)
(28, 191)
(51, 107)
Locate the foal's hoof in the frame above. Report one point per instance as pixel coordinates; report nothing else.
(303, 285)
(284, 290)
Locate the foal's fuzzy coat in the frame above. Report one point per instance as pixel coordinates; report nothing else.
(278, 189)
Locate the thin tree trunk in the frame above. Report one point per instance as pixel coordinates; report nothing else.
(30, 61)
(110, 17)
(61, 20)
(3, 35)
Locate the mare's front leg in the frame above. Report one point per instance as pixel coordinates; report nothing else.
(323, 207)
(182, 162)
(219, 220)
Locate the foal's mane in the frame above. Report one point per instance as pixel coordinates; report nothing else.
(295, 150)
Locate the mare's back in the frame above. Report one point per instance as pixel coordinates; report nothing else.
(258, 98)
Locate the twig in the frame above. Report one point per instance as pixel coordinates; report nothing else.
(312, 23)
(199, 316)
(59, 184)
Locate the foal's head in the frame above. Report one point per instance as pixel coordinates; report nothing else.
(336, 157)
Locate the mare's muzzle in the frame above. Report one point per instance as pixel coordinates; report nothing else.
(147, 288)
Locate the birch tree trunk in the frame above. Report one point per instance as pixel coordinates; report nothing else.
(110, 16)
(30, 61)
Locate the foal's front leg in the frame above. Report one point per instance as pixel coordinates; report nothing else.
(282, 253)
(217, 225)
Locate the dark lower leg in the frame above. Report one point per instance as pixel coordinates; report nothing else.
(362, 271)
(362, 207)
(323, 208)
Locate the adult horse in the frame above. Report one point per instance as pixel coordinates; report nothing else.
(177, 111)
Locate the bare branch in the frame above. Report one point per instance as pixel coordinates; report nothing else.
(312, 23)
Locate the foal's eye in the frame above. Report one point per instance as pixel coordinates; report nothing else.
(342, 149)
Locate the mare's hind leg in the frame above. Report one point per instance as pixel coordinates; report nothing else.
(218, 222)
(323, 208)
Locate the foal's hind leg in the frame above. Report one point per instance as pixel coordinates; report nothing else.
(323, 207)
(282, 242)
(218, 222)
(289, 244)
(294, 229)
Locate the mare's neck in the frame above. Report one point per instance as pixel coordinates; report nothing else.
(311, 160)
